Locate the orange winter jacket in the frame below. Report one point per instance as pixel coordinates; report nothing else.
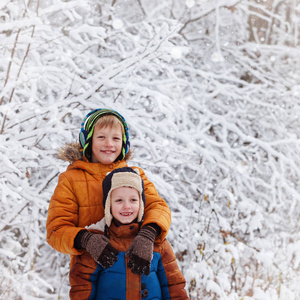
(77, 202)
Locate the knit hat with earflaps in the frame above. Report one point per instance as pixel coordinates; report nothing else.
(87, 130)
(122, 177)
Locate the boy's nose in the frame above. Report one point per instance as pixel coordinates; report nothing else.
(126, 205)
(108, 142)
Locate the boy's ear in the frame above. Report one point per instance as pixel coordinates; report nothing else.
(136, 171)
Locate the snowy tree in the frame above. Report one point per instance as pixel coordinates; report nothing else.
(210, 90)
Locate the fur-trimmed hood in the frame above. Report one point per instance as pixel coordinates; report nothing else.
(70, 152)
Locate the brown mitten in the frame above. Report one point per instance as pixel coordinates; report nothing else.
(140, 251)
(99, 247)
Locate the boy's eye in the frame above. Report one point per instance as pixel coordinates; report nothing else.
(134, 199)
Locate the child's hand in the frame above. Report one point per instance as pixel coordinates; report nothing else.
(140, 251)
(99, 247)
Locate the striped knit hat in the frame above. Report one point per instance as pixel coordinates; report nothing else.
(122, 177)
(87, 130)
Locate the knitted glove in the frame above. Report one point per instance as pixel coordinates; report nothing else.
(99, 247)
(140, 251)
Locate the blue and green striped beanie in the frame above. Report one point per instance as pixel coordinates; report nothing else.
(87, 130)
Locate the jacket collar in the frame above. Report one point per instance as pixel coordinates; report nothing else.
(96, 168)
(124, 231)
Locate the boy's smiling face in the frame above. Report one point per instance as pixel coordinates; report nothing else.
(125, 204)
(106, 144)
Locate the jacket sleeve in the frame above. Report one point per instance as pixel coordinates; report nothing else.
(170, 277)
(63, 218)
(156, 209)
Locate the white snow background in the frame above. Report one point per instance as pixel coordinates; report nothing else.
(210, 90)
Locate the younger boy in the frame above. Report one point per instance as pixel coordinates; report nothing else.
(123, 202)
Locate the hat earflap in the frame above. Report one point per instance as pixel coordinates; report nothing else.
(82, 137)
(83, 132)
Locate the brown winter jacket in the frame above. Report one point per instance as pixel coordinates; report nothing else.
(77, 202)
(91, 281)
